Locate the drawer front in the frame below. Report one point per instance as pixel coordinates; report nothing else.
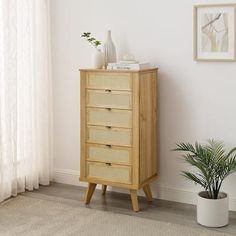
(109, 99)
(110, 117)
(114, 81)
(109, 154)
(103, 135)
(113, 173)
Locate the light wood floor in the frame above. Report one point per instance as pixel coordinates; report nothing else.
(159, 210)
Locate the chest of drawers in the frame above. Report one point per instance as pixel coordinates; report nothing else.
(119, 130)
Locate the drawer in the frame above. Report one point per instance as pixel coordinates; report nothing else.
(114, 81)
(109, 135)
(110, 117)
(108, 153)
(109, 172)
(109, 99)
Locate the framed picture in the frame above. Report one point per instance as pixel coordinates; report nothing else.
(215, 32)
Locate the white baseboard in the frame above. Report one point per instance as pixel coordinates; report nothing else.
(71, 177)
(65, 176)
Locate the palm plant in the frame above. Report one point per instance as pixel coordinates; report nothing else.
(212, 162)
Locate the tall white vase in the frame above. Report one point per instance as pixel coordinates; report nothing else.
(97, 59)
(109, 49)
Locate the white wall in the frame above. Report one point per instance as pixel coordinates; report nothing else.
(196, 99)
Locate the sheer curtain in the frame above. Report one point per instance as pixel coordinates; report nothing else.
(25, 96)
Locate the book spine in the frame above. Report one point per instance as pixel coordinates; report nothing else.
(123, 67)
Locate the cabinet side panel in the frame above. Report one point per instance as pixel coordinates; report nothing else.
(135, 141)
(148, 125)
(82, 124)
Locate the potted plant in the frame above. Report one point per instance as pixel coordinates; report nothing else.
(97, 56)
(212, 164)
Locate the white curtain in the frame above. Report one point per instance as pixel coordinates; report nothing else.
(25, 96)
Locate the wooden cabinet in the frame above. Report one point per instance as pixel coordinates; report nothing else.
(119, 130)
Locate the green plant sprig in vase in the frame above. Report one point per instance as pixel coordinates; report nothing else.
(97, 58)
(91, 39)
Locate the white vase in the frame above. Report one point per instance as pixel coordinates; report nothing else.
(213, 212)
(97, 59)
(109, 49)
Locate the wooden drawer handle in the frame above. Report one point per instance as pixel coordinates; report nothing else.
(107, 90)
(108, 145)
(108, 164)
(108, 127)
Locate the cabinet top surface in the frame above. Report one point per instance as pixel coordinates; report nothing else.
(117, 71)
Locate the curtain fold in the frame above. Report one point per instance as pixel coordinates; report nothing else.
(25, 96)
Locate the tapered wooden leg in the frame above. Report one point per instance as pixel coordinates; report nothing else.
(134, 199)
(104, 189)
(148, 192)
(89, 193)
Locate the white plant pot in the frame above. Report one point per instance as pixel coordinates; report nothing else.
(213, 212)
(97, 59)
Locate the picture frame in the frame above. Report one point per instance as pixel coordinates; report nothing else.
(215, 32)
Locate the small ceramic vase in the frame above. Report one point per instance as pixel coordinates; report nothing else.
(98, 59)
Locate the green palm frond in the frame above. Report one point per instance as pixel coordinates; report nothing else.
(231, 151)
(212, 163)
(194, 178)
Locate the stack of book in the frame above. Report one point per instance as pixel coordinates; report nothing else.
(128, 65)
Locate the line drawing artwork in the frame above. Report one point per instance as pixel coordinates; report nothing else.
(215, 33)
